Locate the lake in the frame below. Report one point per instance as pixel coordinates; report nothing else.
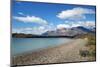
(22, 45)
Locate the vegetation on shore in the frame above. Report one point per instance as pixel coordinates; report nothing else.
(90, 50)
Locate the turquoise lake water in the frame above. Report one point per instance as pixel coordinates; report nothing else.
(22, 45)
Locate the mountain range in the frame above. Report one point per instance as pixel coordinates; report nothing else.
(70, 31)
(61, 32)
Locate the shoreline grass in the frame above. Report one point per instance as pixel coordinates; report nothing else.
(91, 47)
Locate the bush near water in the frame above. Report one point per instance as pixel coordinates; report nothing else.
(91, 46)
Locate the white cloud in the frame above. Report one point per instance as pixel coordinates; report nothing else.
(35, 30)
(22, 30)
(75, 13)
(86, 23)
(75, 25)
(81, 23)
(29, 30)
(16, 30)
(59, 26)
(31, 19)
(20, 13)
(89, 23)
(42, 29)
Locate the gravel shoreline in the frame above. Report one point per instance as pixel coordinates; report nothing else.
(63, 53)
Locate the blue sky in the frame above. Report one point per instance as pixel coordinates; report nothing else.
(36, 18)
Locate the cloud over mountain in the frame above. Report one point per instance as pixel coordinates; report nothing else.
(59, 26)
(80, 23)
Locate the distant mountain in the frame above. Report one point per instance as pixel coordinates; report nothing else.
(92, 29)
(61, 32)
(82, 29)
(69, 32)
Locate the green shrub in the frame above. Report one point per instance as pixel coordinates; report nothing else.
(84, 53)
(87, 53)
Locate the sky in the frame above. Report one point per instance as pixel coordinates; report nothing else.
(37, 18)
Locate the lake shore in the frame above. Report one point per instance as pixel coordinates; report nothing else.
(63, 53)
